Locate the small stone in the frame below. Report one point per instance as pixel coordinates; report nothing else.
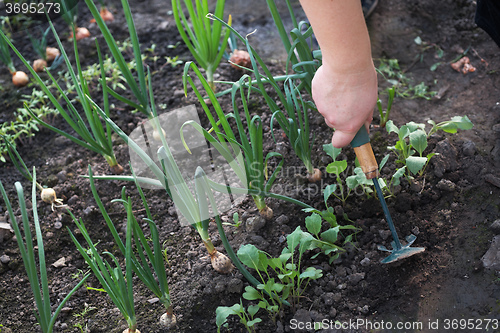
(61, 175)
(259, 242)
(60, 263)
(469, 148)
(384, 234)
(302, 316)
(328, 298)
(282, 219)
(333, 312)
(495, 227)
(4, 259)
(255, 223)
(179, 93)
(355, 278)
(235, 286)
(365, 262)
(364, 310)
(88, 210)
(153, 300)
(58, 225)
(446, 185)
(73, 200)
(491, 258)
(64, 326)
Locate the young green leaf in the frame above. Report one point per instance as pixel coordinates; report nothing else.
(415, 163)
(330, 235)
(328, 191)
(311, 273)
(251, 294)
(390, 127)
(336, 167)
(313, 224)
(418, 139)
(250, 256)
(222, 312)
(331, 151)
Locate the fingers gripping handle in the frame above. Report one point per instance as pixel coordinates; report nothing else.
(364, 153)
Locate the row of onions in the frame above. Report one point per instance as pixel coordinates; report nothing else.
(242, 148)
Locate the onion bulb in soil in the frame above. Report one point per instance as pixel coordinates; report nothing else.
(220, 262)
(51, 53)
(116, 169)
(241, 58)
(168, 320)
(106, 16)
(20, 79)
(81, 33)
(266, 213)
(48, 195)
(156, 134)
(39, 65)
(315, 176)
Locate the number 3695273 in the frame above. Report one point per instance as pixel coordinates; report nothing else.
(32, 8)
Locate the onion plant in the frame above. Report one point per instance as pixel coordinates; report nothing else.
(38, 279)
(69, 9)
(47, 194)
(155, 279)
(137, 86)
(202, 35)
(294, 121)
(19, 78)
(169, 176)
(45, 54)
(98, 138)
(295, 124)
(118, 286)
(253, 171)
(299, 45)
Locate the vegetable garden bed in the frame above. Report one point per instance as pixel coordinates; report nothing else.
(449, 206)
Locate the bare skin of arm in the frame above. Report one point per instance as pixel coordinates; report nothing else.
(344, 88)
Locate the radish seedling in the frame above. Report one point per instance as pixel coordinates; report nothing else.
(247, 316)
(413, 139)
(39, 283)
(291, 280)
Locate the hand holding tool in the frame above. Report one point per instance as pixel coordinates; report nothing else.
(369, 165)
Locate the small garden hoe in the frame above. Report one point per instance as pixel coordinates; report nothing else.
(366, 158)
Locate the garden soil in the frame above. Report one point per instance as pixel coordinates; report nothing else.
(450, 208)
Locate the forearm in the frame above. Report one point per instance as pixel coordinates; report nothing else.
(340, 28)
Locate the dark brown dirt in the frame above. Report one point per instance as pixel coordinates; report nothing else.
(447, 281)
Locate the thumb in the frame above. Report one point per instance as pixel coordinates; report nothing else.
(341, 139)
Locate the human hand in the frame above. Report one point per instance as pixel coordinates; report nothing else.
(346, 99)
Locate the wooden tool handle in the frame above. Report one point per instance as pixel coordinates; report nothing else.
(364, 153)
(367, 160)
